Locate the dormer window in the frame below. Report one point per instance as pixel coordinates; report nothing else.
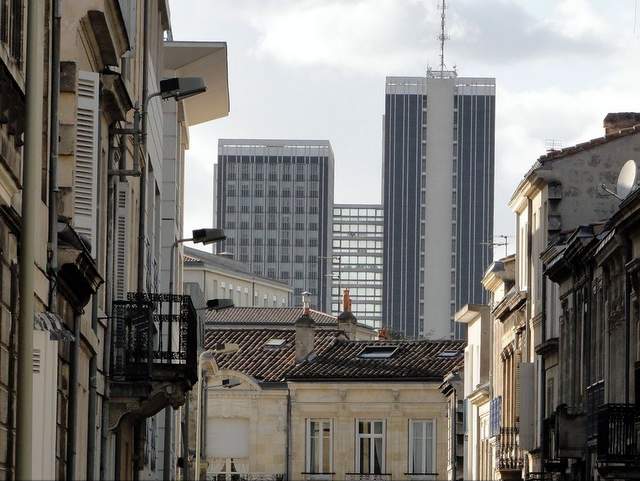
(275, 343)
(377, 352)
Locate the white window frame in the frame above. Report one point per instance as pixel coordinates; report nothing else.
(424, 454)
(326, 475)
(371, 438)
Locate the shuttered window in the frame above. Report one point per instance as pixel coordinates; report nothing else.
(122, 236)
(86, 168)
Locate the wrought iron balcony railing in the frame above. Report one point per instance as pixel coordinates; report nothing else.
(618, 433)
(594, 399)
(367, 477)
(508, 452)
(155, 338)
(245, 476)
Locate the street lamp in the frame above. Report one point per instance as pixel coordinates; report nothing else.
(207, 356)
(199, 236)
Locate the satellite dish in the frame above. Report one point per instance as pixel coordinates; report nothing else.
(627, 179)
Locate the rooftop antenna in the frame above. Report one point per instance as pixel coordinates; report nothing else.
(443, 35)
(504, 243)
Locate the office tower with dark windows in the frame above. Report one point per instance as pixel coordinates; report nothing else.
(438, 175)
(274, 199)
(357, 260)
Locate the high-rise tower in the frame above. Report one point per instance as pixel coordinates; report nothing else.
(438, 173)
(274, 199)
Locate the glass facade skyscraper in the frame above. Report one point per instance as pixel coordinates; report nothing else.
(274, 199)
(357, 260)
(438, 175)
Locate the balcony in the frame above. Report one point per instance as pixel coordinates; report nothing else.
(245, 477)
(508, 453)
(594, 399)
(154, 351)
(618, 429)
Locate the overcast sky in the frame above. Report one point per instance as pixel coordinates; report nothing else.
(315, 69)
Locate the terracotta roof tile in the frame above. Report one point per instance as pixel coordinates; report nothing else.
(334, 358)
(412, 360)
(263, 316)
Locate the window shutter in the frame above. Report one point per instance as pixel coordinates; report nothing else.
(86, 169)
(122, 236)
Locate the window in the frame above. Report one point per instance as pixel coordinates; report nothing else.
(319, 446)
(370, 447)
(422, 447)
(377, 352)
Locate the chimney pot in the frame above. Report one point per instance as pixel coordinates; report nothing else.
(616, 121)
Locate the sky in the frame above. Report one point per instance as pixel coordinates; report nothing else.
(315, 69)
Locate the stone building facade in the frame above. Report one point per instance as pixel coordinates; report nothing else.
(312, 403)
(93, 226)
(561, 191)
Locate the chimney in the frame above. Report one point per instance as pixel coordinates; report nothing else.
(616, 121)
(305, 331)
(347, 322)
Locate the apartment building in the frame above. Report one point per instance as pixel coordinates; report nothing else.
(274, 199)
(112, 174)
(333, 408)
(222, 277)
(561, 192)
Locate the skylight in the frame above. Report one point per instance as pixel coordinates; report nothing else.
(377, 352)
(449, 354)
(275, 342)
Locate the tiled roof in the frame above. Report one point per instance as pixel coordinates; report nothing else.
(334, 358)
(555, 154)
(264, 316)
(413, 360)
(256, 359)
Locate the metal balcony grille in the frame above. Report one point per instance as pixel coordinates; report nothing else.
(595, 399)
(155, 338)
(617, 432)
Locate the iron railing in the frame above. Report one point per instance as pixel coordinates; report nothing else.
(594, 399)
(617, 432)
(244, 477)
(508, 452)
(367, 477)
(155, 338)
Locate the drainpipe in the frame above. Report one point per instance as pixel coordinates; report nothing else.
(543, 372)
(288, 444)
(141, 143)
(73, 398)
(53, 158)
(32, 161)
(111, 180)
(627, 316)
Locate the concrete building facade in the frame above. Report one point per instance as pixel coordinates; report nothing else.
(438, 170)
(274, 200)
(356, 260)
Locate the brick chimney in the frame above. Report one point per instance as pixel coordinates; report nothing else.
(305, 331)
(347, 322)
(616, 121)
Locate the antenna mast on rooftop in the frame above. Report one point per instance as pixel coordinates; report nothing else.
(443, 35)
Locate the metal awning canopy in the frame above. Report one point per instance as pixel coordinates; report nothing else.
(209, 61)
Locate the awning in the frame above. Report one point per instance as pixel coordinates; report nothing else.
(207, 60)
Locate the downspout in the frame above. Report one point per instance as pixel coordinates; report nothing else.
(627, 317)
(54, 142)
(73, 398)
(104, 443)
(93, 366)
(31, 179)
(288, 443)
(543, 372)
(142, 145)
